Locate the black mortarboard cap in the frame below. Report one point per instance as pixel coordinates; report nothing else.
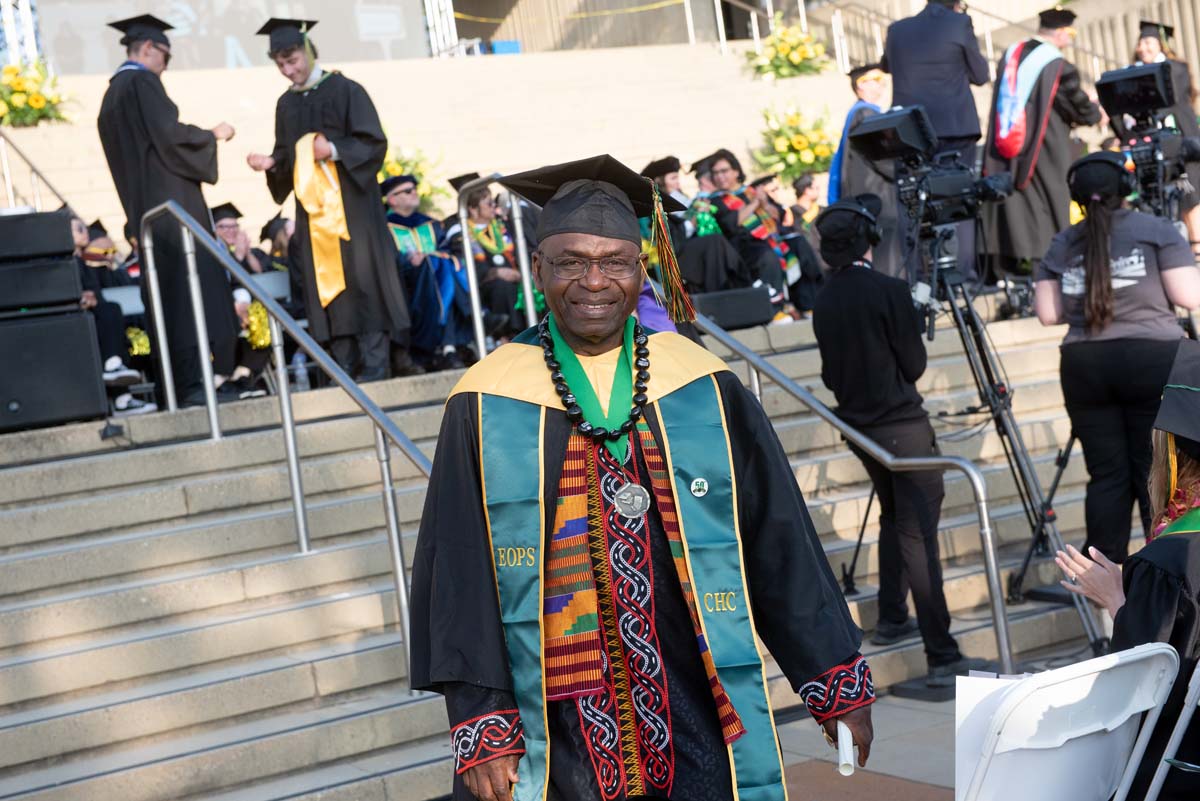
(284, 34)
(858, 72)
(1057, 17)
(142, 27)
(459, 181)
(272, 227)
(96, 230)
(703, 165)
(661, 167)
(597, 195)
(1158, 30)
(388, 184)
(226, 211)
(844, 229)
(1179, 412)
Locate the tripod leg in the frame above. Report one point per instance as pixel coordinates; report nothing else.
(848, 587)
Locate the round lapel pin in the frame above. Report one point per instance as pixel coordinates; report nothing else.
(699, 487)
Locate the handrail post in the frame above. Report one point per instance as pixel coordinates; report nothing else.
(754, 33)
(37, 191)
(469, 262)
(9, 193)
(202, 341)
(721, 27)
(755, 382)
(803, 16)
(987, 542)
(518, 235)
(395, 546)
(159, 321)
(288, 423)
(690, 21)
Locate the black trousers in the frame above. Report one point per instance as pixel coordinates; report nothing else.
(910, 508)
(110, 330)
(1112, 390)
(369, 353)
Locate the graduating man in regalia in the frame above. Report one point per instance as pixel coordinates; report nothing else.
(153, 158)
(329, 147)
(610, 521)
(1037, 101)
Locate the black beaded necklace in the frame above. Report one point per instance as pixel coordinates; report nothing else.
(571, 404)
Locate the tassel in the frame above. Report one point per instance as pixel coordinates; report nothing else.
(1173, 465)
(676, 301)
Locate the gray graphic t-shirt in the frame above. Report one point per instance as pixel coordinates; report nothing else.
(1141, 247)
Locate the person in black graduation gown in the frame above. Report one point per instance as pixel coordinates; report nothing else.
(1155, 595)
(590, 267)
(153, 158)
(1154, 46)
(225, 221)
(360, 323)
(1032, 142)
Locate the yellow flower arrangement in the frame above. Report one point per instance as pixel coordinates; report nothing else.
(794, 144)
(28, 95)
(787, 53)
(411, 161)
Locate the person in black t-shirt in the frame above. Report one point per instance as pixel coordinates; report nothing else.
(871, 357)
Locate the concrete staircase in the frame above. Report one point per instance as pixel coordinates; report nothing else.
(160, 638)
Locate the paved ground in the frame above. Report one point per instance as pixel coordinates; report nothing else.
(912, 757)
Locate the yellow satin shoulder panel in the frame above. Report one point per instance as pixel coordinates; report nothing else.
(518, 371)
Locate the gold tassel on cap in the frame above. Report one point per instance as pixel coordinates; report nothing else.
(676, 300)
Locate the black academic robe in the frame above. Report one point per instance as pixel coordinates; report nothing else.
(458, 640)
(373, 300)
(153, 158)
(1162, 604)
(1022, 226)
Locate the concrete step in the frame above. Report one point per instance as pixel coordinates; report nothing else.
(136, 652)
(198, 697)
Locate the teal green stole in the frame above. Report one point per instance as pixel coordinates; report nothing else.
(696, 447)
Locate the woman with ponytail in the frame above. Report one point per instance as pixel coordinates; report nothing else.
(1155, 597)
(1115, 278)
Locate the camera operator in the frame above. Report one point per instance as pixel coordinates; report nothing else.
(1114, 278)
(1037, 90)
(871, 356)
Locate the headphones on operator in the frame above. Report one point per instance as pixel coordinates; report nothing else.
(874, 232)
(1127, 181)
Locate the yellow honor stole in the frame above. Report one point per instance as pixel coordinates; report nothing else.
(320, 193)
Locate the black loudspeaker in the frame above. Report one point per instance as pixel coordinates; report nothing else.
(48, 281)
(35, 235)
(736, 308)
(50, 371)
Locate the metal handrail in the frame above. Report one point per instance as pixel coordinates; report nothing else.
(35, 175)
(280, 321)
(760, 366)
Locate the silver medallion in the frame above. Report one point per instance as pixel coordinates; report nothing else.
(632, 500)
(498, 260)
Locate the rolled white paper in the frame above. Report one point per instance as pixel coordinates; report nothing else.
(845, 750)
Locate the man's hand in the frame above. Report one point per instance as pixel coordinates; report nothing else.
(259, 162)
(223, 132)
(415, 257)
(321, 149)
(88, 300)
(861, 730)
(493, 781)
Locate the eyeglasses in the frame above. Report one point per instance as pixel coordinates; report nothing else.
(723, 170)
(411, 190)
(166, 51)
(572, 268)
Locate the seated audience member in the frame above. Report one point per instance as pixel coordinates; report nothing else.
(852, 174)
(803, 291)
(110, 328)
(806, 209)
(1155, 596)
(229, 230)
(101, 254)
(278, 233)
(748, 221)
(252, 351)
(438, 296)
(495, 260)
(665, 174)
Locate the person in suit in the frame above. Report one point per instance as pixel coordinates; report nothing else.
(934, 59)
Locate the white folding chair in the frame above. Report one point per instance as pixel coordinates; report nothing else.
(1070, 733)
(129, 298)
(1185, 717)
(275, 283)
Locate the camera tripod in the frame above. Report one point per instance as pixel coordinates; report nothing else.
(997, 398)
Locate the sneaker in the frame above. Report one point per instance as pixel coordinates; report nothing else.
(944, 675)
(116, 374)
(126, 405)
(782, 318)
(248, 388)
(891, 633)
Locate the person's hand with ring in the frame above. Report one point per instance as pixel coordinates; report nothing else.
(1097, 578)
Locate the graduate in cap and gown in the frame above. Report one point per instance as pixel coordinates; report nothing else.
(1155, 595)
(610, 521)
(1037, 101)
(225, 220)
(153, 158)
(440, 303)
(328, 136)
